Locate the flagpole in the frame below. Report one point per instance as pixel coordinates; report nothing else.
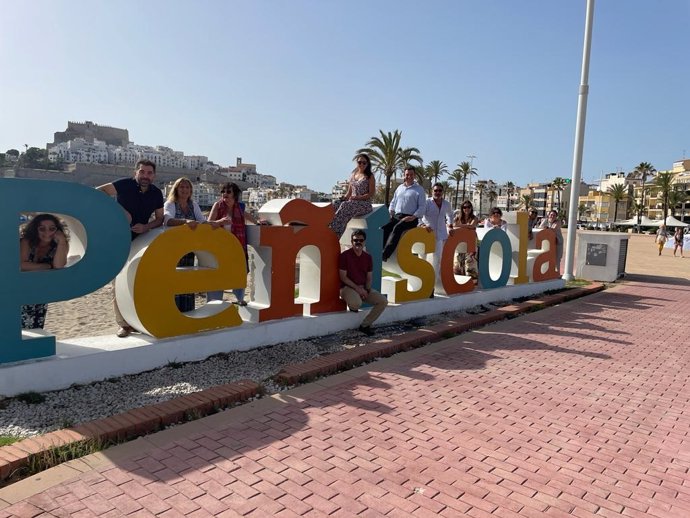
(579, 144)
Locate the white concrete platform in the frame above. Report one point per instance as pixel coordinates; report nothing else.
(85, 360)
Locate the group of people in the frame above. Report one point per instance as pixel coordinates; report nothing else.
(409, 209)
(145, 209)
(662, 237)
(44, 240)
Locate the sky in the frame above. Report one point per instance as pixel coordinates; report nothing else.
(298, 86)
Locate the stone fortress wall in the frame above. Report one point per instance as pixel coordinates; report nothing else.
(90, 131)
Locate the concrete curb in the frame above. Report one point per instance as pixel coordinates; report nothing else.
(148, 419)
(127, 425)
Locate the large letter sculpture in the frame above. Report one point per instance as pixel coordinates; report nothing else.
(146, 288)
(276, 260)
(418, 274)
(101, 222)
(494, 268)
(463, 240)
(545, 267)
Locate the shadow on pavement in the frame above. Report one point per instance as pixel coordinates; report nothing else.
(657, 279)
(228, 450)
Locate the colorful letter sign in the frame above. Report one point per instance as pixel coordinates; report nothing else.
(146, 286)
(102, 225)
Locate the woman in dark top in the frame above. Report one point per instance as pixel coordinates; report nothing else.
(42, 246)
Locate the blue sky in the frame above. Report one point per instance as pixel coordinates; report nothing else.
(297, 86)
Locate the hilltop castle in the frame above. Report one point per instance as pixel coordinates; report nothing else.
(90, 131)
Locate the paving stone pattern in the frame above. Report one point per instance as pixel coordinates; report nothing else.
(581, 410)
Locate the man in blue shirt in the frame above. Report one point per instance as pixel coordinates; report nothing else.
(407, 206)
(140, 199)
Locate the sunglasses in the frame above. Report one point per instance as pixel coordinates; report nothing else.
(438, 190)
(358, 240)
(362, 162)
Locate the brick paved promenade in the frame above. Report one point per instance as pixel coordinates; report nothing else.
(582, 409)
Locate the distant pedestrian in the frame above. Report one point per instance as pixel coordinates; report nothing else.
(661, 237)
(678, 241)
(355, 267)
(357, 199)
(407, 206)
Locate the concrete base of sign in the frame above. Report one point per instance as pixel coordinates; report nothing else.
(85, 360)
(601, 255)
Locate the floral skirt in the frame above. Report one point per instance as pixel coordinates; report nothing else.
(34, 316)
(466, 264)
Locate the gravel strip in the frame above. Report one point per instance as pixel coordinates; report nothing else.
(82, 403)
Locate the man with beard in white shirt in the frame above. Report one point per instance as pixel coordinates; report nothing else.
(437, 218)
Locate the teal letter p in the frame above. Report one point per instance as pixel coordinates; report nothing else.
(92, 217)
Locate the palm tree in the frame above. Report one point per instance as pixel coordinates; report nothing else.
(643, 169)
(678, 198)
(456, 176)
(526, 201)
(581, 209)
(480, 186)
(434, 170)
(618, 192)
(387, 156)
(663, 182)
(446, 189)
(558, 185)
(510, 189)
(467, 171)
(492, 197)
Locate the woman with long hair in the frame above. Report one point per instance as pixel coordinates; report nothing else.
(181, 209)
(229, 212)
(466, 264)
(357, 199)
(43, 245)
(678, 241)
